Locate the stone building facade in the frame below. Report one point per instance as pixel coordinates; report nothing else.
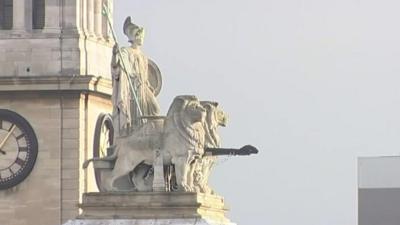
(54, 72)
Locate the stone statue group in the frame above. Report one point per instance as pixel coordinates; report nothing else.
(153, 152)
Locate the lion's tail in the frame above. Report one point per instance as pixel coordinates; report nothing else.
(111, 157)
(86, 163)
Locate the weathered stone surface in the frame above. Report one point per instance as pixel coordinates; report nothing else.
(56, 184)
(133, 96)
(153, 206)
(178, 139)
(55, 50)
(147, 222)
(47, 84)
(52, 77)
(39, 194)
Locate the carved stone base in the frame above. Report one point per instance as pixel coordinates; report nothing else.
(126, 208)
(146, 222)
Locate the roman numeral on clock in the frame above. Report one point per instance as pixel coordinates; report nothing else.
(23, 149)
(20, 136)
(20, 161)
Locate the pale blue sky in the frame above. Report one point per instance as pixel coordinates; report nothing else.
(312, 83)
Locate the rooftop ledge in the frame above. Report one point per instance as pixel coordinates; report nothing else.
(83, 83)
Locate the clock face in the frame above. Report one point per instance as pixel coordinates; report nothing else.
(18, 149)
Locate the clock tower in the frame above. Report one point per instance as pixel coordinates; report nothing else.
(54, 83)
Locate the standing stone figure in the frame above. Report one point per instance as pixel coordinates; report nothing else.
(126, 114)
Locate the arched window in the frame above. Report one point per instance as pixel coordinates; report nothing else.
(6, 14)
(38, 14)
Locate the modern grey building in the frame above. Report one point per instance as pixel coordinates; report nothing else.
(379, 190)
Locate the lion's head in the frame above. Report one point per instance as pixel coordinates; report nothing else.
(215, 117)
(188, 107)
(186, 117)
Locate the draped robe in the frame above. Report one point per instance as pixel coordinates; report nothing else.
(125, 110)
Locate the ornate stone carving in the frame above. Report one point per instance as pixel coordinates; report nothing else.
(155, 208)
(171, 153)
(180, 141)
(215, 117)
(130, 74)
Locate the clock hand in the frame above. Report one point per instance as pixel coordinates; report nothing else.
(2, 152)
(7, 136)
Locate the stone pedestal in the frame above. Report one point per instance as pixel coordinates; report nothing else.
(146, 222)
(142, 208)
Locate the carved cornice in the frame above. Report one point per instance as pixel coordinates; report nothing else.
(53, 34)
(88, 83)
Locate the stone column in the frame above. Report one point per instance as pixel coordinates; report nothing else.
(70, 12)
(97, 18)
(19, 15)
(52, 15)
(84, 17)
(90, 17)
(28, 15)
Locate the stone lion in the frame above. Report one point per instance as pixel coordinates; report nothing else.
(201, 169)
(181, 141)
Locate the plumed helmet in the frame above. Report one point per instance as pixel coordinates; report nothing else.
(128, 26)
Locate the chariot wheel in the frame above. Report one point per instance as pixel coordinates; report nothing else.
(103, 139)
